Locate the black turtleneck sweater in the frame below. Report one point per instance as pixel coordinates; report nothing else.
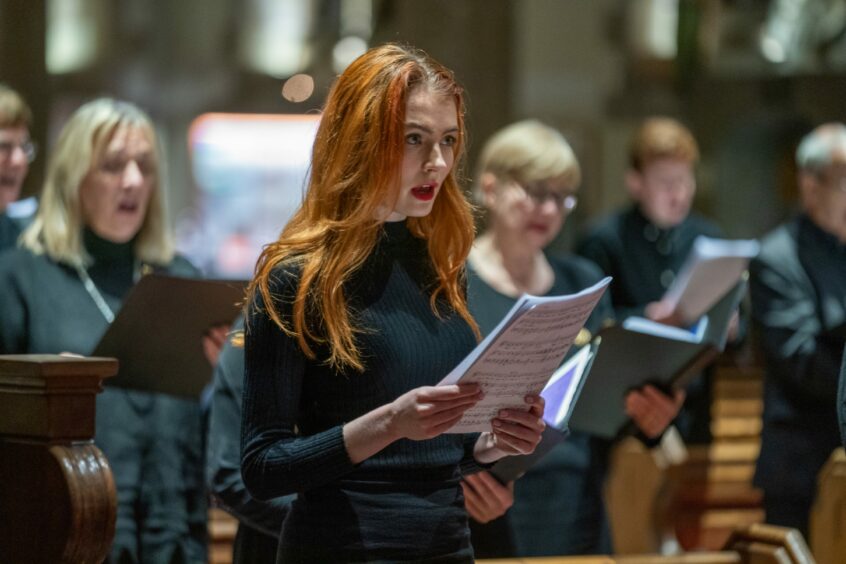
(403, 503)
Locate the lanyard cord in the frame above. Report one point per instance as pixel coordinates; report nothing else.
(95, 294)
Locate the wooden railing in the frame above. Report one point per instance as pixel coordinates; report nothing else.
(755, 544)
(828, 516)
(57, 495)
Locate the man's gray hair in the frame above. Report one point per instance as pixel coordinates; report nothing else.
(818, 149)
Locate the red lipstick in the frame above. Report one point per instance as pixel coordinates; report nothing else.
(424, 192)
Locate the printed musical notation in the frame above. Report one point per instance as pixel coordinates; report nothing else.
(519, 356)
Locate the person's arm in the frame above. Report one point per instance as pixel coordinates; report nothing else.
(275, 461)
(800, 354)
(223, 465)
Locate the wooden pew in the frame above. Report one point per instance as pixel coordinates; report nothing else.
(57, 499)
(222, 530)
(754, 544)
(769, 543)
(694, 504)
(828, 515)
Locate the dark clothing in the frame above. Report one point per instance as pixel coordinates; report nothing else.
(798, 289)
(9, 231)
(558, 504)
(259, 521)
(644, 260)
(841, 400)
(152, 441)
(252, 546)
(405, 502)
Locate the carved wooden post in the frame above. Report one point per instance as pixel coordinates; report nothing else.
(57, 494)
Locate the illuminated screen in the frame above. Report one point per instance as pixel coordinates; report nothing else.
(250, 171)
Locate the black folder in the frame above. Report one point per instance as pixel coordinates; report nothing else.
(630, 359)
(157, 334)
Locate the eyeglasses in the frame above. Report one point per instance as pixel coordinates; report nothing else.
(539, 194)
(29, 148)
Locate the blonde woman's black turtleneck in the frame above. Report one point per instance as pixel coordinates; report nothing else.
(404, 502)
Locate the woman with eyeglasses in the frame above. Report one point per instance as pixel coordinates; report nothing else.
(16, 152)
(526, 182)
(101, 225)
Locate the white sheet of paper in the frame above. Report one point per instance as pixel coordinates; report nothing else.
(693, 334)
(519, 356)
(713, 267)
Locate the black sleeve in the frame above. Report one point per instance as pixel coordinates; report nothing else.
(798, 352)
(275, 460)
(223, 457)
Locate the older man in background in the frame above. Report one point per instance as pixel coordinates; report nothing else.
(798, 291)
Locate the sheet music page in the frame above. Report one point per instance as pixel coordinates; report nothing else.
(519, 357)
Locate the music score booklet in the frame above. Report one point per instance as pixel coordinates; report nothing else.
(521, 354)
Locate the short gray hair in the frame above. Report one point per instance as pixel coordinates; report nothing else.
(818, 149)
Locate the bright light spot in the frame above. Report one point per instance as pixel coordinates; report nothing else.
(772, 49)
(298, 88)
(71, 43)
(274, 37)
(346, 51)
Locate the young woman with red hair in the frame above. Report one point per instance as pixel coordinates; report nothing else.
(354, 314)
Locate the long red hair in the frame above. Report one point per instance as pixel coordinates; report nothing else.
(355, 167)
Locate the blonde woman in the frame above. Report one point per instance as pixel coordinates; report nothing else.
(101, 225)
